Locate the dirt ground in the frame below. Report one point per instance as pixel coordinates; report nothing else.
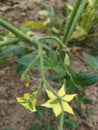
(13, 115)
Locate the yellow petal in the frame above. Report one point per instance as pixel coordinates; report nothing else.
(48, 104)
(57, 109)
(26, 95)
(25, 105)
(61, 91)
(50, 94)
(19, 99)
(32, 106)
(21, 102)
(67, 108)
(33, 110)
(69, 97)
(34, 102)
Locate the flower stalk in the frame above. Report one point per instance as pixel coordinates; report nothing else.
(61, 121)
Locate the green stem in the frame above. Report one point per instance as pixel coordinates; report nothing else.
(54, 38)
(15, 31)
(76, 6)
(25, 76)
(29, 67)
(61, 121)
(40, 51)
(71, 24)
(9, 41)
(65, 84)
(51, 89)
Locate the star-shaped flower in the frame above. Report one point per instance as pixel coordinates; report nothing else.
(59, 103)
(28, 101)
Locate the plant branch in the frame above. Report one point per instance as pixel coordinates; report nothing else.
(76, 13)
(54, 38)
(30, 66)
(15, 31)
(9, 41)
(40, 51)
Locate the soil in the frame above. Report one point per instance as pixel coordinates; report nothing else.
(13, 115)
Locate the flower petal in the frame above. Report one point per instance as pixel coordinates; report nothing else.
(19, 99)
(67, 108)
(50, 94)
(26, 95)
(69, 97)
(57, 109)
(48, 104)
(61, 91)
(33, 109)
(34, 102)
(25, 105)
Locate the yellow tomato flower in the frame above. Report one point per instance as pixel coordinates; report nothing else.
(27, 101)
(59, 103)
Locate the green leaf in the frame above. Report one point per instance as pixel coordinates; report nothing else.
(50, 128)
(27, 59)
(70, 86)
(3, 62)
(20, 69)
(80, 79)
(40, 113)
(91, 60)
(35, 126)
(55, 64)
(79, 100)
(87, 101)
(52, 57)
(59, 69)
(53, 77)
(85, 79)
(12, 49)
(70, 124)
(46, 64)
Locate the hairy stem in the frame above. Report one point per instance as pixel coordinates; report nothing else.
(40, 51)
(30, 66)
(61, 121)
(15, 31)
(76, 13)
(9, 41)
(54, 38)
